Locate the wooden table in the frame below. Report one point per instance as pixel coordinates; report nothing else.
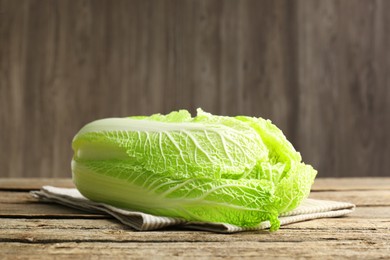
(32, 229)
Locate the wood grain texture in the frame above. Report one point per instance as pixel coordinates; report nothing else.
(344, 121)
(102, 230)
(341, 249)
(26, 184)
(319, 70)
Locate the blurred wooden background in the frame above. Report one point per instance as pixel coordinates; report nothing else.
(320, 70)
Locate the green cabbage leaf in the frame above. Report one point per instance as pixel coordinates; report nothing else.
(237, 170)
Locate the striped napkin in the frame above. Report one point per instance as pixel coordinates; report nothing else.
(308, 210)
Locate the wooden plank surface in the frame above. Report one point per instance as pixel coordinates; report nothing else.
(89, 230)
(44, 211)
(318, 70)
(98, 226)
(115, 236)
(359, 198)
(341, 184)
(27, 184)
(37, 230)
(327, 249)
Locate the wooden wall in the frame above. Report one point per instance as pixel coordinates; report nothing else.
(319, 69)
